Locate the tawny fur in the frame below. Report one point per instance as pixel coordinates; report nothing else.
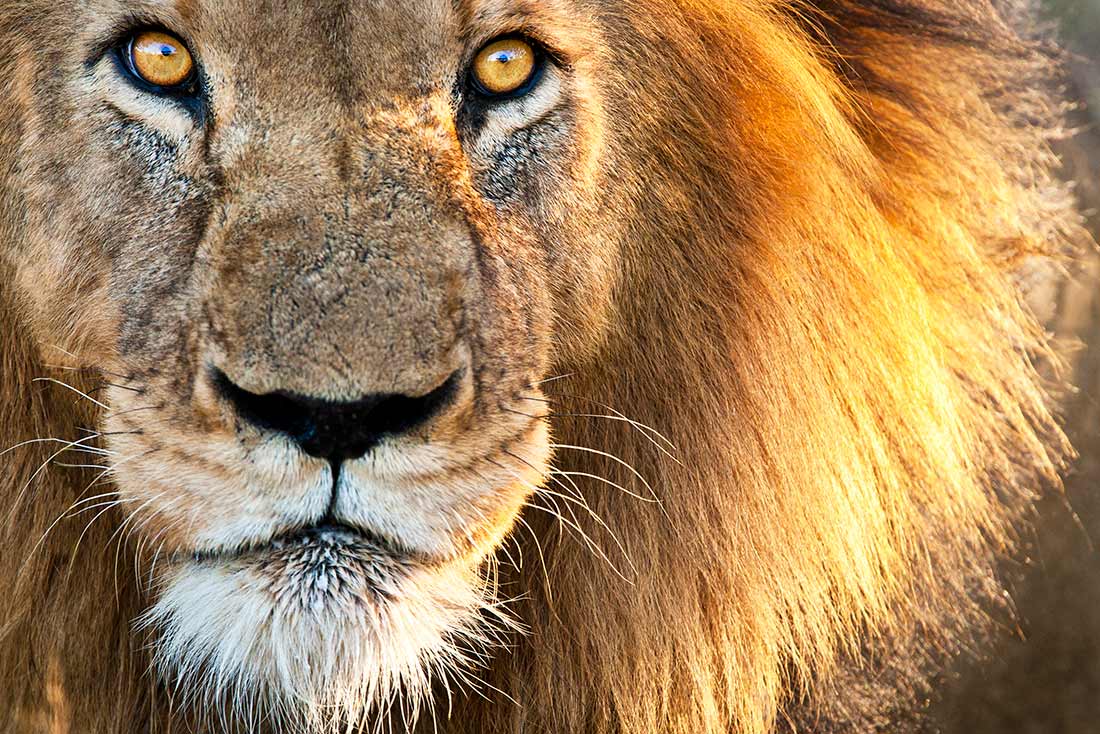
(812, 217)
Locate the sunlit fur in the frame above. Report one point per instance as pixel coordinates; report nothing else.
(816, 212)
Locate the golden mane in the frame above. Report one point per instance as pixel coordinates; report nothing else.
(823, 316)
(825, 211)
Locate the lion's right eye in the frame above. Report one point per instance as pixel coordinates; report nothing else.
(507, 67)
(161, 60)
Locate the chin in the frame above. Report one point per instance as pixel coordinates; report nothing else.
(319, 630)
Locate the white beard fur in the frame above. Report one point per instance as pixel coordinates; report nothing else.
(319, 634)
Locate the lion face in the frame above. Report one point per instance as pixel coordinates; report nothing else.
(320, 263)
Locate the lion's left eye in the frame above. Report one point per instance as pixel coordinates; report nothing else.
(506, 68)
(160, 59)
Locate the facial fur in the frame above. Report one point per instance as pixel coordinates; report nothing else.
(326, 220)
(707, 350)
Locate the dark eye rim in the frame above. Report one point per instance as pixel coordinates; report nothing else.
(532, 81)
(124, 56)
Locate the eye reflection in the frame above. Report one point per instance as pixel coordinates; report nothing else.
(160, 59)
(505, 67)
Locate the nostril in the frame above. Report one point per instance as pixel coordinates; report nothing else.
(336, 431)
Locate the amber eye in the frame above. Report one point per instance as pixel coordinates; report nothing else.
(505, 68)
(161, 59)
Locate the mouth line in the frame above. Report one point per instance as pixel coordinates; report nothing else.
(323, 533)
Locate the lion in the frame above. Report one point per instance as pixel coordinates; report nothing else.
(486, 366)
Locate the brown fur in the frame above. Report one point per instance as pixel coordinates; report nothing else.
(785, 235)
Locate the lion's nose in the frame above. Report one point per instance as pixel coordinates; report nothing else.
(336, 431)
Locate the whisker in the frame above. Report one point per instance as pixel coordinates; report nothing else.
(551, 477)
(576, 528)
(63, 515)
(118, 413)
(617, 460)
(122, 537)
(93, 450)
(645, 428)
(106, 384)
(87, 527)
(508, 554)
(604, 480)
(551, 379)
(112, 469)
(93, 371)
(106, 506)
(51, 440)
(79, 502)
(575, 524)
(67, 386)
(169, 527)
(599, 520)
(542, 557)
(19, 498)
(78, 466)
(69, 354)
(485, 519)
(97, 505)
(135, 432)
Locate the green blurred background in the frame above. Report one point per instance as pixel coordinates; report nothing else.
(1044, 676)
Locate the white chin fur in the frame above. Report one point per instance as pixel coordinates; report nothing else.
(317, 634)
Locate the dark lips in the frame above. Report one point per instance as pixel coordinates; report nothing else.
(325, 535)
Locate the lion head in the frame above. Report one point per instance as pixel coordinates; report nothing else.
(642, 366)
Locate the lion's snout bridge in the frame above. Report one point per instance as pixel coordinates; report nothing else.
(342, 316)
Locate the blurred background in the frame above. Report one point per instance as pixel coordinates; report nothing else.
(1043, 677)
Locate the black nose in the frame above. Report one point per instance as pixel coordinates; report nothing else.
(336, 431)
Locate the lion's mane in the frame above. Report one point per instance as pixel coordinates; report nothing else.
(824, 316)
(826, 206)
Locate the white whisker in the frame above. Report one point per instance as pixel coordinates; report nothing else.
(67, 386)
(19, 497)
(617, 460)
